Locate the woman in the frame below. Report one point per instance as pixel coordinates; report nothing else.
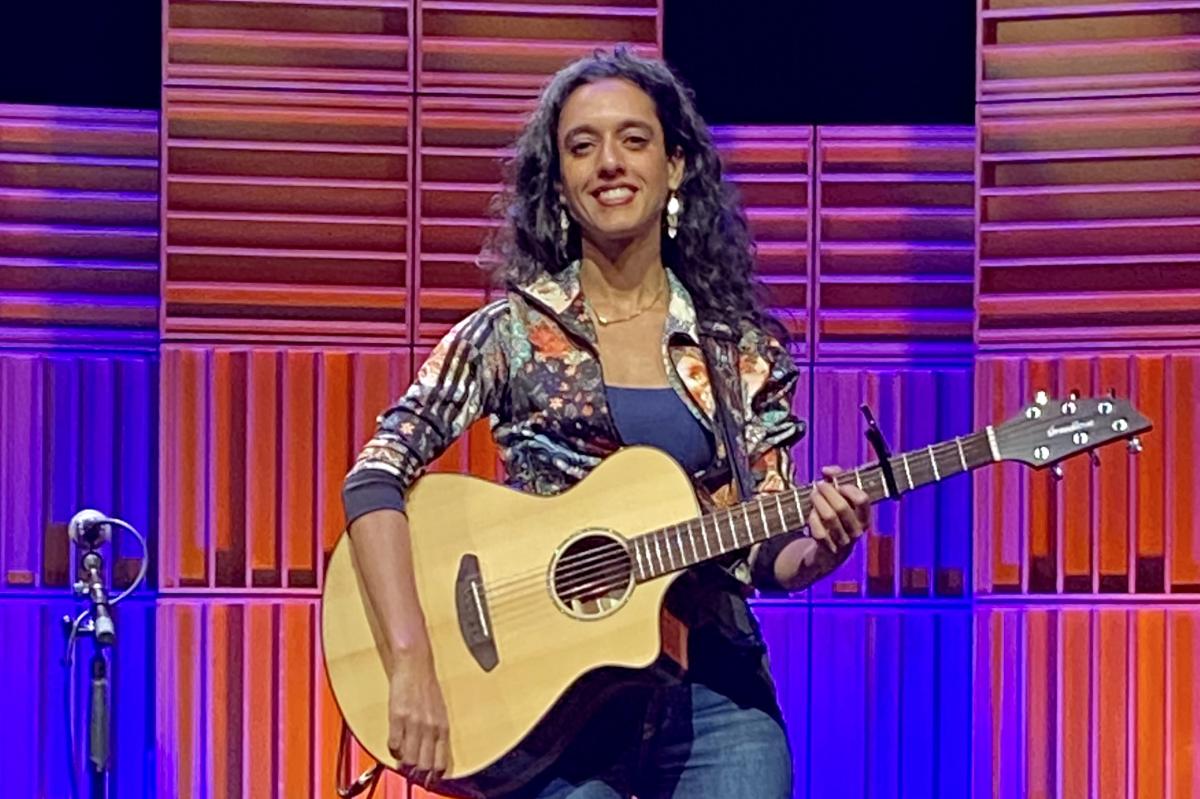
(622, 246)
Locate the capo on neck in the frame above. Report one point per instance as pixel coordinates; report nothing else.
(881, 450)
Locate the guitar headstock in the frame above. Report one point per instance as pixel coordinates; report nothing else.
(1050, 430)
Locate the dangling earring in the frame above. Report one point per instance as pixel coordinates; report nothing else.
(674, 208)
(564, 227)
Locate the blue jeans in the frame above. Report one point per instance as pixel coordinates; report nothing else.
(688, 742)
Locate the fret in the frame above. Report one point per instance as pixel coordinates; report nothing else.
(782, 519)
(933, 462)
(717, 528)
(799, 507)
(692, 538)
(991, 437)
(704, 538)
(637, 554)
(858, 479)
(883, 482)
(658, 552)
(962, 457)
(732, 529)
(763, 513)
(679, 538)
(749, 527)
(907, 473)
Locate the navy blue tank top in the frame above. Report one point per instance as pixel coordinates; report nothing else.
(658, 418)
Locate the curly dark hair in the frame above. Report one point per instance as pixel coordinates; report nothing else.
(712, 255)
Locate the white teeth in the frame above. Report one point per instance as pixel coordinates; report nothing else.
(619, 193)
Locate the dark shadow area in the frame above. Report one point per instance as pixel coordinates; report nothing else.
(870, 62)
(102, 53)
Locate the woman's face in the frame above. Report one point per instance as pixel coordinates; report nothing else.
(615, 172)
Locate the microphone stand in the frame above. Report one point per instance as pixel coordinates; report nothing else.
(100, 628)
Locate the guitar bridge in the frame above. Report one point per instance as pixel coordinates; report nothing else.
(473, 620)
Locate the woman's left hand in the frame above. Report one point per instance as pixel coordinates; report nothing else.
(840, 514)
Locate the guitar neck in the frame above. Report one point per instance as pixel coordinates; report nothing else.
(680, 546)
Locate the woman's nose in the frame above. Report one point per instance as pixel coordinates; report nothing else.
(610, 157)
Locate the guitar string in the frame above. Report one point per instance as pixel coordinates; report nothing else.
(592, 563)
(513, 608)
(617, 556)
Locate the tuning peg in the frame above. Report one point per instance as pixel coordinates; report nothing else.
(1095, 456)
(1135, 445)
(1057, 471)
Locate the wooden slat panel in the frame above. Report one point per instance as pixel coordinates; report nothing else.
(76, 434)
(1099, 692)
(363, 45)
(1078, 48)
(1089, 221)
(895, 241)
(510, 48)
(286, 215)
(1111, 529)
(262, 507)
(771, 167)
(463, 143)
(919, 546)
(78, 225)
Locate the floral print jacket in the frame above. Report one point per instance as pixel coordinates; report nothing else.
(529, 362)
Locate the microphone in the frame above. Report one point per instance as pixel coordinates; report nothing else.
(93, 588)
(89, 529)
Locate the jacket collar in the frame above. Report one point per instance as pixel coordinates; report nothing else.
(562, 293)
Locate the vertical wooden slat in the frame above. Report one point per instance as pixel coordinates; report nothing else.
(300, 472)
(296, 697)
(1041, 665)
(1183, 500)
(261, 663)
(1073, 740)
(1149, 703)
(1111, 741)
(264, 468)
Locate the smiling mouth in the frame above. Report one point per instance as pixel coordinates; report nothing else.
(617, 195)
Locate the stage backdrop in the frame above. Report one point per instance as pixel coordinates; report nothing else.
(202, 311)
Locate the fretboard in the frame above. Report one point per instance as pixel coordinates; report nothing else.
(679, 546)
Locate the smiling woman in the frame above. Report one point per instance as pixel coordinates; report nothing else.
(630, 318)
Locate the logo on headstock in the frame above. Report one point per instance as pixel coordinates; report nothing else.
(1073, 427)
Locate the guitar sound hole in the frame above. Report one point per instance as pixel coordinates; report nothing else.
(592, 575)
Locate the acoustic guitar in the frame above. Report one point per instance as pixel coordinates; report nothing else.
(537, 606)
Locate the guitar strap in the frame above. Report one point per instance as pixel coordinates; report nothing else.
(719, 342)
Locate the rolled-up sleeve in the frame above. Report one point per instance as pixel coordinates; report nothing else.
(463, 379)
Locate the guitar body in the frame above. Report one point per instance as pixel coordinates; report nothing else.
(507, 650)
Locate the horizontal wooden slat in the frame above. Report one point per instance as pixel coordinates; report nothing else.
(78, 224)
(286, 212)
(1065, 48)
(895, 226)
(361, 45)
(510, 48)
(1089, 224)
(771, 168)
(463, 145)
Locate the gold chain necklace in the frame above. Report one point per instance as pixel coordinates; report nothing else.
(606, 321)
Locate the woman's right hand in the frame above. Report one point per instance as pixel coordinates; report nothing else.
(418, 728)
